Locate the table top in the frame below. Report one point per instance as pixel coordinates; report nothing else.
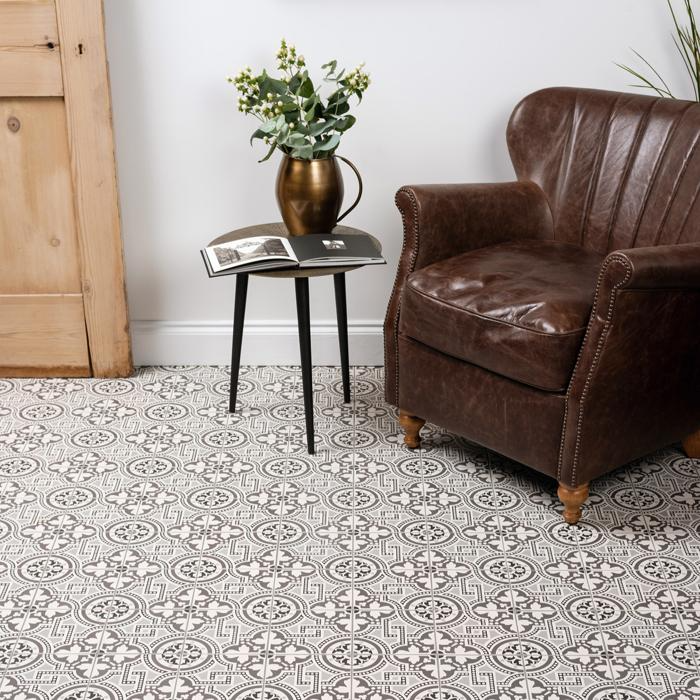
(279, 229)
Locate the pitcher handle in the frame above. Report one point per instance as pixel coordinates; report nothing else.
(359, 194)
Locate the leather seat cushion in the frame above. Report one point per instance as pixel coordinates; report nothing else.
(519, 309)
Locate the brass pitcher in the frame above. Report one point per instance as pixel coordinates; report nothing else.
(310, 194)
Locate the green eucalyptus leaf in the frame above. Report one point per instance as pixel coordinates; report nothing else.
(296, 140)
(331, 66)
(269, 127)
(269, 153)
(328, 145)
(345, 123)
(294, 83)
(257, 134)
(306, 89)
(321, 127)
(305, 152)
(310, 102)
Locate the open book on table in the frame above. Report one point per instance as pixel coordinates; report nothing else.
(260, 253)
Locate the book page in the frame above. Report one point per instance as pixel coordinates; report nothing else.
(249, 250)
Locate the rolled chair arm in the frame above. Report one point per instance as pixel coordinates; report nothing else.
(661, 267)
(440, 221)
(445, 220)
(640, 351)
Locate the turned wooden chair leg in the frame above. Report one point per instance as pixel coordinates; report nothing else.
(572, 498)
(411, 427)
(691, 445)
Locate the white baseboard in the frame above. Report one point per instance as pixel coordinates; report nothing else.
(264, 343)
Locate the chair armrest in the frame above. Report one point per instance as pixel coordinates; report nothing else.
(661, 267)
(440, 221)
(636, 382)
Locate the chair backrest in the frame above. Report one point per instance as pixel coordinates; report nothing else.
(620, 170)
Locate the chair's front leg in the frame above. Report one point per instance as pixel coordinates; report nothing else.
(411, 427)
(573, 498)
(691, 445)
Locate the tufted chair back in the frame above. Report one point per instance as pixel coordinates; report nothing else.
(619, 170)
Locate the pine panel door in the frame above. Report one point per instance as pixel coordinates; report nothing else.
(62, 300)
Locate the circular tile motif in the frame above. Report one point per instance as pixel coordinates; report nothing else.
(149, 467)
(110, 608)
(273, 532)
(20, 653)
(357, 498)
(680, 653)
(614, 692)
(427, 532)
(182, 654)
(511, 570)
(494, 499)
(45, 568)
(112, 387)
(523, 655)
(88, 691)
(360, 387)
(244, 387)
(194, 568)
(93, 438)
(591, 610)
(224, 439)
(436, 609)
(353, 438)
(359, 568)
(17, 467)
(341, 654)
(254, 691)
(277, 610)
(636, 498)
(131, 532)
(418, 467)
(288, 411)
(211, 498)
(582, 533)
(71, 498)
(431, 691)
(285, 467)
(167, 411)
(684, 466)
(662, 569)
(41, 411)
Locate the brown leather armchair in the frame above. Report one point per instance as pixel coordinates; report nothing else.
(556, 319)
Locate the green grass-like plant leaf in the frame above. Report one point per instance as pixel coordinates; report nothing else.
(687, 43)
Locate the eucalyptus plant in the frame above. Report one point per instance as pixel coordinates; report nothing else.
(294, 116)
(687, 41)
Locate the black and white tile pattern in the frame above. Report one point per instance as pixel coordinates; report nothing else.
(154, 547)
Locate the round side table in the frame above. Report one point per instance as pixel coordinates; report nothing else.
(301, 285)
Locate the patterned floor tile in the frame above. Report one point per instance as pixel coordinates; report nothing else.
(155, 547)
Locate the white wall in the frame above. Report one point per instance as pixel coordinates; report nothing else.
(446, 74)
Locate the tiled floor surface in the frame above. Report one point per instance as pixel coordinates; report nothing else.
(153, 547)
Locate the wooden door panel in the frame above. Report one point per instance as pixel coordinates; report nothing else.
(42, 334)
(62, 297)
(30, 61)
(38, 239)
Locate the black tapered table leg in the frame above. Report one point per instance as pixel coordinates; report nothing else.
(238, 318)
(301, 285)
(341, 311)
